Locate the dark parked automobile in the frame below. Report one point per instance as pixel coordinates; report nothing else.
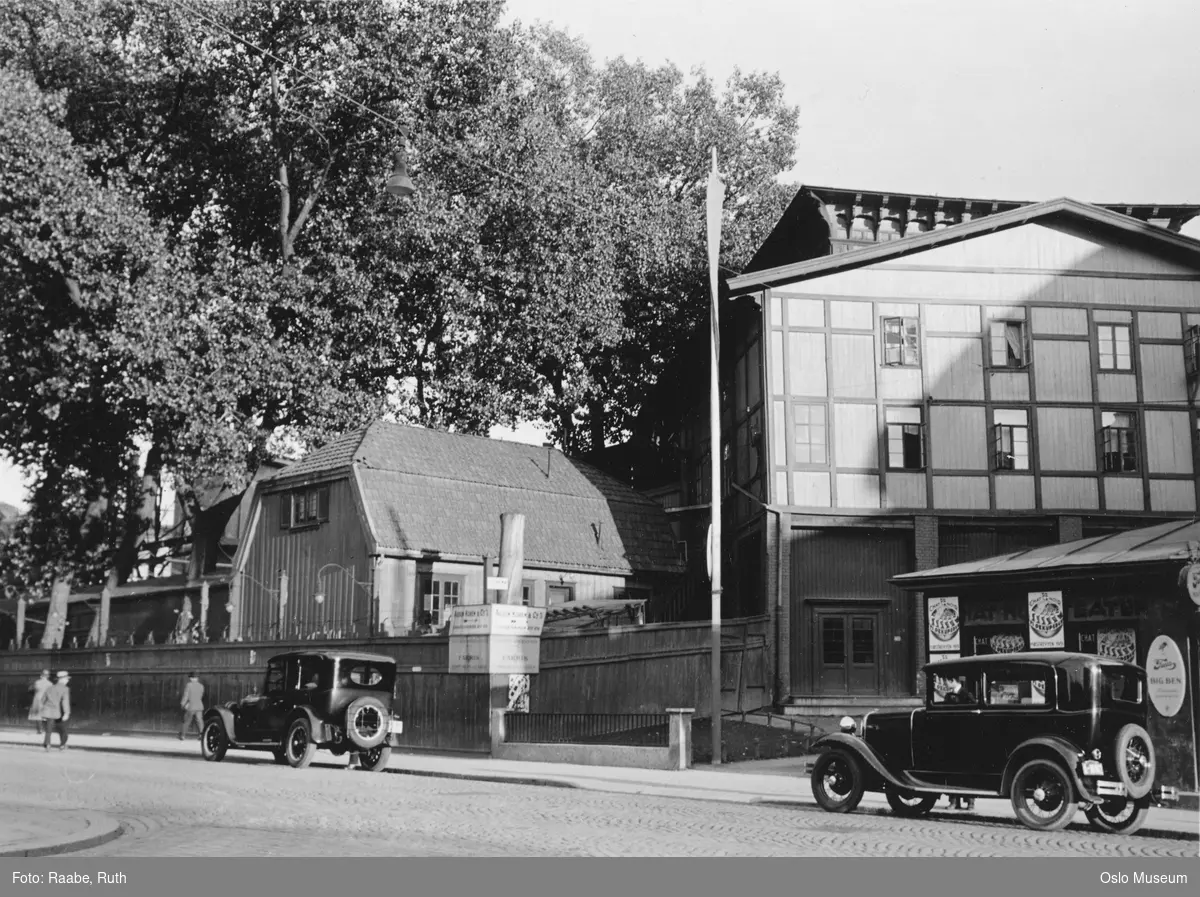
(1050, 730)
(338, 701)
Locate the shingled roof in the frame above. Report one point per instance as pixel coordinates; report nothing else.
(428, 491)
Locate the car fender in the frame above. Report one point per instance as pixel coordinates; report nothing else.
(320, 731)
(1045, 746)
(225, 715)
(841, 741)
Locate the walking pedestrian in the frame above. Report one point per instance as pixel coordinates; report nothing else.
(192, 705)
(38, 690)
(56, 709)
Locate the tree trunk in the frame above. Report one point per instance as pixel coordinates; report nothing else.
(596, 424)
(140, 519)
(56, 613)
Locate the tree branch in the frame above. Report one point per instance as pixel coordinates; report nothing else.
(308, 205)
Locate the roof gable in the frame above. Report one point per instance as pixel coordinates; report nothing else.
(1116, 228)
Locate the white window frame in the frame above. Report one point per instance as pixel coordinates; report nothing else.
(1005, 353)
(901, 336)
(1115, 345)
(901, 422)
(1010, 434)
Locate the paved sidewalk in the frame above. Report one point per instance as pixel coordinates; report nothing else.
(762, 781)
(32, 832)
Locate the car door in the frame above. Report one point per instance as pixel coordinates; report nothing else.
(1019, 702)
(279, 702)
(248, 722)
(946, 733)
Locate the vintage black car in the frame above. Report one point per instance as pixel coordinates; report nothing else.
(1050, 730)
(336, 700)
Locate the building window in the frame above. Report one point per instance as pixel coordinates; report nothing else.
(1010, 344)
(438, 595)
(559, 594)
(1119, 439)
(811, 434)
(901, 342)
(527, 593)
(304, 507)
(1191, 351)
(905, 439)
(1114, 347)
(1010, 440)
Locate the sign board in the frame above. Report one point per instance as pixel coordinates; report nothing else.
(1046, 619)
(497, 583)
(1166, 677)
(495, 638)
(495, 654)
(943, 625)
(1192, 581)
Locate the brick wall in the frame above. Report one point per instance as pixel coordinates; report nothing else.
(1070, 529)
(925, 541)
(781, 560)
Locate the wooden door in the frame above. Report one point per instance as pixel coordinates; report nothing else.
(847, 651)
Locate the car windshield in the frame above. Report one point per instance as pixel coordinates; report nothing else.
(1119, 687)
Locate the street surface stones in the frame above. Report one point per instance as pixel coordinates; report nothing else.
(247, 806)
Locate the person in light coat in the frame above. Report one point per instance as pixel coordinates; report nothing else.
(56, 710)
(38, 689)
(192, 705)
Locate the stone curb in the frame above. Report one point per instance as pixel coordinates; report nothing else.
(100, 830)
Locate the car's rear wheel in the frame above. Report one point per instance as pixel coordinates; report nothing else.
(376, 758)
(1119, 814)
(837, 782)
(909, 803)
(1043, 797)
(299, 747)
(367, 722)
(1134, 757)
(213, 741)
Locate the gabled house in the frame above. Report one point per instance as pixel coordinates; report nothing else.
(384, 528)
(1015, 380)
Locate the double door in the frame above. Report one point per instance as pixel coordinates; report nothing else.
(847, 651)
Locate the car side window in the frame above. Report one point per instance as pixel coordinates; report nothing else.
(955, 689)
(310, 673)
(276, 678)
(1017, 687)
(361, 674)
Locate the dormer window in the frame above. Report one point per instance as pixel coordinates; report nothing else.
(304, 507)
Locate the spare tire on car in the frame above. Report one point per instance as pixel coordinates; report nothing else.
(1133, 755)
(367, 722)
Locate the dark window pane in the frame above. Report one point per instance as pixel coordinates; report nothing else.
(833, 641)
(862, 642)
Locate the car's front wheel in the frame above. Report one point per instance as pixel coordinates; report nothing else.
(1043, 797)
(213, 741)
(837, 782)
(299, 747)
(376, 758)
(1119, 814)
(909, 803)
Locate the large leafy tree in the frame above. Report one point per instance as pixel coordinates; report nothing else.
(254, 286)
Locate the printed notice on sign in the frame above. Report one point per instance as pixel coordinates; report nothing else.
(943, 625)
(1046, 620)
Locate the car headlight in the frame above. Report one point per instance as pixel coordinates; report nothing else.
(847, 725)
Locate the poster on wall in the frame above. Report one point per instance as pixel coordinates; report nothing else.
(1117, 643)
(943, 625)
(1046, 620)
(1165, 679)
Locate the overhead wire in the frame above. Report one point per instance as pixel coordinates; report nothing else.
(403, 128)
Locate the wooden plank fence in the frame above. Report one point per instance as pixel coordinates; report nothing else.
(635, 669)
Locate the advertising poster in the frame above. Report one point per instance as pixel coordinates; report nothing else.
(943, 625)
(1165, 676)
(1046, 620)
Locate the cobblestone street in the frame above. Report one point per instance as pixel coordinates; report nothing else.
(181, 806)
